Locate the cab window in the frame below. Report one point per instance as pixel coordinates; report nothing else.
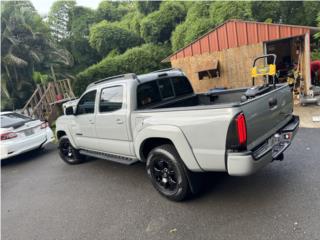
(148, 94)
(111, 99)
(86, 103)
(181, 86)
(165, 87)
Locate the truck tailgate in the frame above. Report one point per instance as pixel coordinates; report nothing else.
(266, 114)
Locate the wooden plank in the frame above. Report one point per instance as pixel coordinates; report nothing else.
(70, 88)
(30, 99)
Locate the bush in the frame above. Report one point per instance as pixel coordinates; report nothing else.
(105, 36)
(157, 26)
(137, 60)
(197, 23)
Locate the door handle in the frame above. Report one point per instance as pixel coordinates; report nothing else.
(119, 121)
(273, 102)
(91, 121)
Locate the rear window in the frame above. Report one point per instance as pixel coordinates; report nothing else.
(165, 87)
(11, 119)
(181, 86)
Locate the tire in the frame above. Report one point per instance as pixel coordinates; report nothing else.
(167, 172)
(68, 153)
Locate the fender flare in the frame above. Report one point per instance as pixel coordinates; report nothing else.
(176, 136)
(65, 129)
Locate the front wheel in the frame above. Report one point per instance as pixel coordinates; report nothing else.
(68, 153)
(167, 172)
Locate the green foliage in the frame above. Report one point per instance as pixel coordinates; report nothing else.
(111, 11)
(25, 47)
(58, 18)
(222, 11)
(197, 23)
(315, 54)
(40, 78)
(263, 11)
(288, 12)
(139, 60)
(131, 22)
(84, 36)
(146, 7)
(157, 26)
(84, 55)
(105, 36)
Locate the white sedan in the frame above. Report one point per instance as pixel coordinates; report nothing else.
(20, 134)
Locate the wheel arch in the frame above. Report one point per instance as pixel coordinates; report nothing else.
(154, 136)
(60, 133)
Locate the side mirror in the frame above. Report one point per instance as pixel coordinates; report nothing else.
(69, 111)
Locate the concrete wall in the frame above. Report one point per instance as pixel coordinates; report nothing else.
(235, 67)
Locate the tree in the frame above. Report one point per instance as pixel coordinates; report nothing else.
(157, 26)
(111, 11)
(105, 36)
(77, 43)
(222, 11)
(59, 19)
(132, 22)
(138, 60)
(197, 23)
(25, 48)
(266, 10)
(146, 7)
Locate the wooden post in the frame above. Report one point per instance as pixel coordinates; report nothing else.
(307, 74)
(70, 88)
(54, 80)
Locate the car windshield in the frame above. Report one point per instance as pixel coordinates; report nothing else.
(11, 119)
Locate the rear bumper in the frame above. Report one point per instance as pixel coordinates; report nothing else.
(246, 163)
(13, 148)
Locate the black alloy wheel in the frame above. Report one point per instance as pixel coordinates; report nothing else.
(68, 153)
(167, 172)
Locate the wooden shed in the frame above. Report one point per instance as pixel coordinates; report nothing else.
(223, 57)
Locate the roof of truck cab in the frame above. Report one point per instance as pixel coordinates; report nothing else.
(142, 78)
(158, 74)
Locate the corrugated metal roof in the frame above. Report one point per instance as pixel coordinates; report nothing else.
(235, 33)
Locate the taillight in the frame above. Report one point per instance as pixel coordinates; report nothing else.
(241, 129)
(9, 135)
(44, 125)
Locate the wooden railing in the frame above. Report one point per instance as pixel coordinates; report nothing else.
(42, 102)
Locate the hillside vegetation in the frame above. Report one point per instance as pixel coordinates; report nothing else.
(118, 37)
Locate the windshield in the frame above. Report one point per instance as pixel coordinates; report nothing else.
(12, 119)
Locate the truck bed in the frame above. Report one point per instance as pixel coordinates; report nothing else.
(229, 97)
(262, 119)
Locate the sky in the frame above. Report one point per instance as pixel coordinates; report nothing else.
(43, 6)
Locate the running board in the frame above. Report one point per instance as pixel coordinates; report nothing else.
(110, 157)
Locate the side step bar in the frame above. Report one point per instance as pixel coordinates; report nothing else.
(110, 157)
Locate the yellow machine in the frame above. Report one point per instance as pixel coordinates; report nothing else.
(265, 70)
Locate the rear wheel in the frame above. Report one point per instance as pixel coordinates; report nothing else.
(167, 172)
(68, 153)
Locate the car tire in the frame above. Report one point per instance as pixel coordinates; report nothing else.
(168, 173)
(68, 153)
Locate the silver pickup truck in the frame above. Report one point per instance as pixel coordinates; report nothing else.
(157, 118)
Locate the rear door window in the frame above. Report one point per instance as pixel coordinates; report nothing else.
(147, 94)
(111, 99)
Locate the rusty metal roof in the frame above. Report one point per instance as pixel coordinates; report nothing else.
(235, 33)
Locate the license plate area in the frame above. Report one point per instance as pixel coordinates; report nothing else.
(28, 132)
(277, 144)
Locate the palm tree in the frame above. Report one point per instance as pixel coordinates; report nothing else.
(25, 46)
